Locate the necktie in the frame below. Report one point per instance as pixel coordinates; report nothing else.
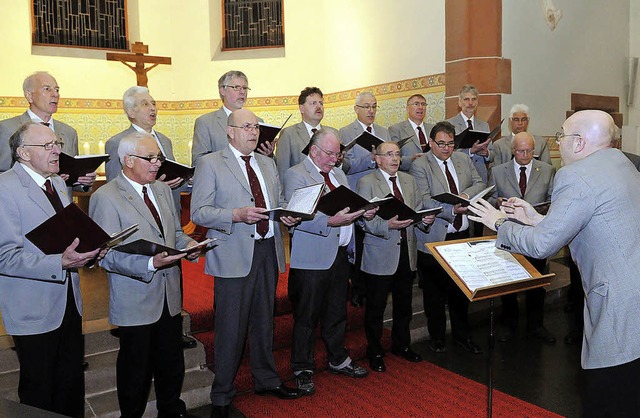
(152, 208)
(327, 180)
(398, 195)
(523, 180)
(423, 140)
(313, 131)
(262, 227)
(53, 196)
(457, 221)
(470, 124)
(369, 129)
(45, 123)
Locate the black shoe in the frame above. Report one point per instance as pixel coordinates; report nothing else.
(437, 346)
(219, 411)
(469, 345)
(376, 363)
(541, 333)
(305, 383)
(357, 301)
(407, 354)
(352, 370)
(188, 342)
(506, 334)
(282, 392)
(574, 337)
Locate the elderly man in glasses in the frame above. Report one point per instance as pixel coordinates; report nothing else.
(210, 129)
(519, 122)
(231, 190)
(595, 209)
(443, 170)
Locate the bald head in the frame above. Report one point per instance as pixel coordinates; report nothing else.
(586, 132)
(522, 147)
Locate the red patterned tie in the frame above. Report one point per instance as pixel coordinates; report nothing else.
(523, 180)
(262, 227)
(152, 208)
(457, 221)
(423, 140)
(327, 180)
(398, 195)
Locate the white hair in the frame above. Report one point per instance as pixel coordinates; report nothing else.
(129, 144)
(128, 99)
(519, 108)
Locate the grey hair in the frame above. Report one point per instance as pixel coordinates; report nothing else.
(226, 77)
(129, 143)
(469, 88)
(322, 133)
(519, 108)
(17, 139)
(364, 95)
(128, 99)
(27, 84)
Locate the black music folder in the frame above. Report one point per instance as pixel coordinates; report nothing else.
(366, 140)
(454, 199)
(342, 197)
(467, 138)
(79, 165)
(395, 207)
(148, 248)
(174, 169)
(269, 132)
(54, 235)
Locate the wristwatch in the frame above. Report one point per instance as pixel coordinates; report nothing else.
(499, 223)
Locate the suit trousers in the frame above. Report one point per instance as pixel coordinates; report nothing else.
(319, 295)
(534, 306)
(438, 290)
(612, 391)
(51, 375)
(358, 277)
(146, 352)
(400, 284)
(245, 304)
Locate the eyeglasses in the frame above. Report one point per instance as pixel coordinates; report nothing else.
(248, 127)
(154, 159)
(237, 88)
(518, 120)
(330, 153)
(523, 151)
(560, 135)
(443, 145)
(48, 146)
(368, 106)
(418, 104)
(390, 154)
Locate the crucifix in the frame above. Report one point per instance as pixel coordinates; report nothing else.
(138, 50)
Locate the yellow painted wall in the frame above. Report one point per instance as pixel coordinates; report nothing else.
(393, 48)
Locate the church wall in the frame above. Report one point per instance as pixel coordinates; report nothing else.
(393, 49)
(586, 53)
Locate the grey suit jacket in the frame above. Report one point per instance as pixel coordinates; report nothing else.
(381, 253)
(293, 139)
(596, 210)
(502, 149)
(8, 127)
(314, 244)
(480, 163)
(33, 286)
(113, 167)
(539, 183)
(357, 160)
(219, 186)
(137, 295)
(431, 181)
(403, 130)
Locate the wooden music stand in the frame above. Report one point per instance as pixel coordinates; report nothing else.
(490, 292)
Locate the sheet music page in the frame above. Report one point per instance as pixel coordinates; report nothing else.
(480, 264)
(304, 200)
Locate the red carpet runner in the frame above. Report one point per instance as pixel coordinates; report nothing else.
(406, 389)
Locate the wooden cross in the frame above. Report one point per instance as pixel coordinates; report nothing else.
(138, 50)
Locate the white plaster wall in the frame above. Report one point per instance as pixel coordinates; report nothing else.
(587, 53)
